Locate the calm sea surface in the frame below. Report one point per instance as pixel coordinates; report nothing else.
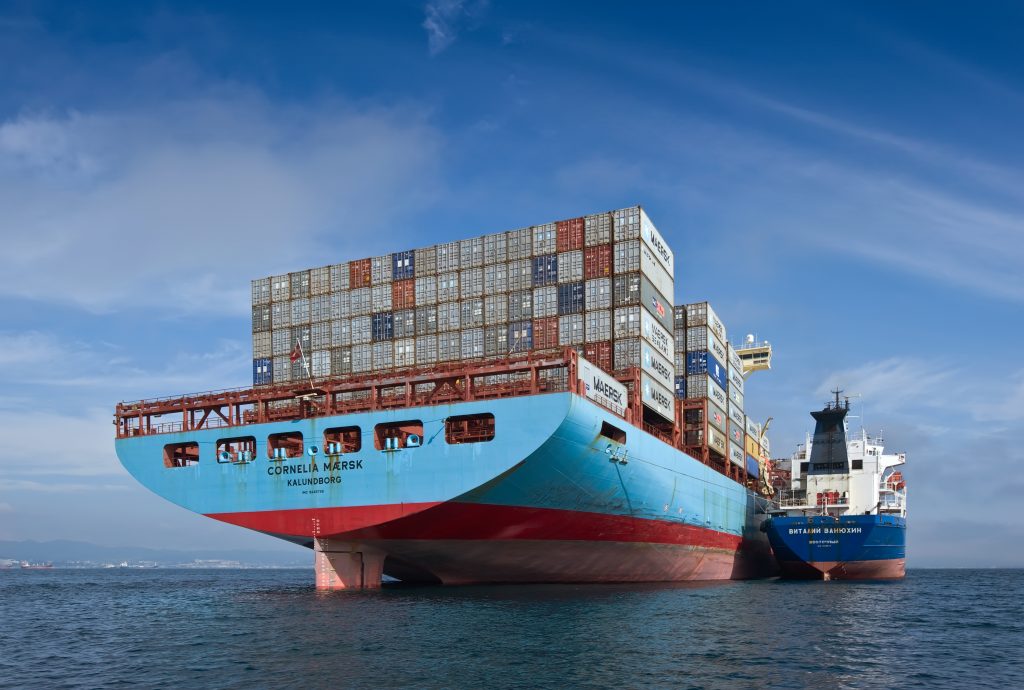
(254, 629)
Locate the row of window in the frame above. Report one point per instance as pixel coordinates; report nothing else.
(472, 428)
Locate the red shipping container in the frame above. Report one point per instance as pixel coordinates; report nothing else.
(545, 333)
(403, 294)
(597, 261)
(599, 354)
(359, 274)
(569, 234)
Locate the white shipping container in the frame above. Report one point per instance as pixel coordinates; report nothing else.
(519, 244)
(340, 308)
(626, 323)
(281, 314)
(300, 311)
(359, 301)
(657, 366)
(716, 417)
(656, 334)
(282, 369)
(570, 266)
(261, 345)
(520, 305)
(634, 256)
(426, 350)
(495, 309)
(701, 314)
(404, 323)
(626, 353)
(496, 248)
(520, 275)
(449, 346)
(627, 223)
(753, 429)
(703, 386)
(471, 283)
(736, 415)
(545, 301)
(383, 355)
(570, 329)
(598, 293)
(597, 325)
(426, 320)
(495, 278)
(341, 361)
(736, 379)
(299, 281)
(471, 253)
(320, 363)
(544, 239)
(380, 298)
(734, 357)
(426, 290)
(362, 330)
(601, 388)
(736, 397)
(280, 290)
(597, 229)
(447, 257)
(702, 338)
(320, 308)
(341, 333)
(472, 313)
(650, 236)
(680, 360)
(448, 316)
(362, 358)
(448, 287)
(320, 280)
(718, 442)
(424, 261)
(736, 454)
(405, 352)
(339, 277)
(766, 446)
(261, 291)
(472, 345)
(380, 269)
(320, 336)
(281, 341)
(496, 341)
(657, 398)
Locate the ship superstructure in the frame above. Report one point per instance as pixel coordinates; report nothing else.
(842, 504)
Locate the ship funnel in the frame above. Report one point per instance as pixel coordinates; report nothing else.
(828, 451)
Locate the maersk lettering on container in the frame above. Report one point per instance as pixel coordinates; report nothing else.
(734, 358)
(736, 397)
(656, 397)
(655, 333)
(736, 454)
(657, 366)
(736, 415)
(736, 379)
(601, 388)
(717, 441)
(716, 417)
(653, 239)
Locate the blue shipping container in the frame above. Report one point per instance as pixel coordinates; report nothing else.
(545, 270)
(697, 362)
(753, 468)
(403, 265)
(383, 326)
(570, 298)
(262, 371)
(680, 387)
(520, 336)
(717, 371)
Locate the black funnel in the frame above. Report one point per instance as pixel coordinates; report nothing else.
(828, 452)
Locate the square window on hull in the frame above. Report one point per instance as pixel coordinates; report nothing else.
(181, 454)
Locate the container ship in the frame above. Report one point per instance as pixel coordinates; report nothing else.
(842, 511)
(525, 406)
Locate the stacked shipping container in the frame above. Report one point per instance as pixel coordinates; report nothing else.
(602, 284)
(714, 379)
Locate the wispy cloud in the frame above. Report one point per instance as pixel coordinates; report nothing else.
(172, 206)
(444, 19)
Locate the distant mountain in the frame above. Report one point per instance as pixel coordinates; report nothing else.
(64, 551)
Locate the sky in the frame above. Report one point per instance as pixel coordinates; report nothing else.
(841, 179)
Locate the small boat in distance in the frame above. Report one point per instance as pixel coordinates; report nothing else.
(842, 505)
(25, 565)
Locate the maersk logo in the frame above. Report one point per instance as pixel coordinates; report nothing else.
(659, 308)
(659, 246)
(606, 390)
(717, 417)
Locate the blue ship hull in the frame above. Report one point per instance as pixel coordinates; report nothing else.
(846, 547)
(548, 499)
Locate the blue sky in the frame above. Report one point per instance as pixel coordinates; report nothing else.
(843, 180)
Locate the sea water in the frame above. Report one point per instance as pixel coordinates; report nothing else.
(270, 628)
